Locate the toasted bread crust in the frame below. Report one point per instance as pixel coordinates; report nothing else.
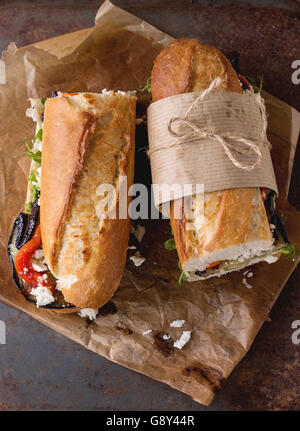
(187, 66)
(65, 137)
(84, 148)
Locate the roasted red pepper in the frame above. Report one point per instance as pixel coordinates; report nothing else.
(23, 263)
(213, 264)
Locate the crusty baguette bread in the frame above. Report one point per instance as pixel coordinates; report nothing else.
(235, 223)
(88, 140)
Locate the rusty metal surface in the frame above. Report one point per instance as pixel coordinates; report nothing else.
(40, 369)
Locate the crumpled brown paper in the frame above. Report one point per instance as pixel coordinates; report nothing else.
(223, 315)
(176, 160)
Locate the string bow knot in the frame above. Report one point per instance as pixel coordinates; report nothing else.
(187, 132)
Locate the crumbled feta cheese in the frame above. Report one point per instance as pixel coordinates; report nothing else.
(183, 340)
(247, 284)
(25, 270)
(40, 267)
(37, 145)
(91, 313)
(137, 259)
(270, 259)
(177, 323)
(43, 295)
(122, 93)
(38, 254)
(105, 91)
(138, 232)
(166, 337)
(250, 274)
(147, 332)
(35, 112)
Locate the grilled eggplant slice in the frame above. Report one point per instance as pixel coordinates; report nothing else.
(22, 232)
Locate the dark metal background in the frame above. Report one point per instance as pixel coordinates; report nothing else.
(42, 370)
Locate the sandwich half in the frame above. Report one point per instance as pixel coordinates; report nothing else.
(235, 230)
(65, 251)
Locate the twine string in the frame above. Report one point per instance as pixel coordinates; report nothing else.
(192, 133)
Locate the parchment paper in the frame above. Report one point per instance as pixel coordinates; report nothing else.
(223, 315)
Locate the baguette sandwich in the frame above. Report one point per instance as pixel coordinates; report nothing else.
(66, 255)
(236, 230)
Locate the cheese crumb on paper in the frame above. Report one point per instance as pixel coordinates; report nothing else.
(90, 313)
(271, 259)
(137, 259)
(177, 323)
(147, 332)
(245, 282)
(183, 340)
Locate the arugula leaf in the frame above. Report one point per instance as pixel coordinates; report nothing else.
(32, 177)
(29, 207)
(147, 86)
(36, 156)
(39, 136)
(43, 100)
(170, 244)
(257, 83)
(290, 250)
(35, 190)
(182, 276)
